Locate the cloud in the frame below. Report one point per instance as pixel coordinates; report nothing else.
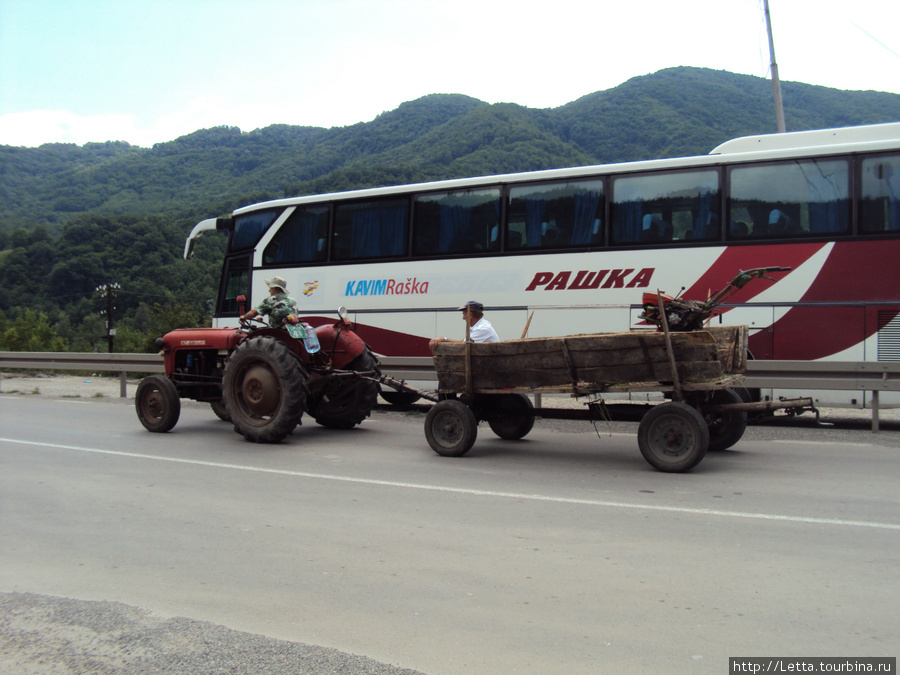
(35, 127)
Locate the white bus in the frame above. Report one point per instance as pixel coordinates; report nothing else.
(576, 248)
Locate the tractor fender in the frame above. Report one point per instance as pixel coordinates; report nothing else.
(340, 343)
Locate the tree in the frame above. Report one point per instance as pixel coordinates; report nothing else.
(29, 331)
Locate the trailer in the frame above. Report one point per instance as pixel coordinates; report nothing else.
(699, 372)
(698, 369)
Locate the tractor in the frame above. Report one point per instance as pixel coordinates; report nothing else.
(263, 379)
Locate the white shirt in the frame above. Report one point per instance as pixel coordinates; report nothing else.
(483, 331)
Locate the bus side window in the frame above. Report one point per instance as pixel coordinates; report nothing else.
(555, 215)
(300, 239)
(879, 207)
(376, 228)
(791, 199)
(665, 207)
(464, 221)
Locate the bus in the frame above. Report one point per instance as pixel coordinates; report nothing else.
(572, 250)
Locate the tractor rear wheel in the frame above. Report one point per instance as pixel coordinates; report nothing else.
(264, 389)
(347, 400)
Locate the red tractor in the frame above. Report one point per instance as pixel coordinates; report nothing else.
(262, 380)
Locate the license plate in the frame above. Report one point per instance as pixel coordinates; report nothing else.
(295, 330)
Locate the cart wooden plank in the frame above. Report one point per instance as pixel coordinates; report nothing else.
(591, 362)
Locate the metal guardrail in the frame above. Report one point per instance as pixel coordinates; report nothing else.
(104, 363)
(401, 367)
(872, 376)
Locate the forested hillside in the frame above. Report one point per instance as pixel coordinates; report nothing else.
(75, 217)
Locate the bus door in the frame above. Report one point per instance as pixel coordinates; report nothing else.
(235, 281)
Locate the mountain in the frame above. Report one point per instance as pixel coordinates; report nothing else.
(72, 217)
(674, 112)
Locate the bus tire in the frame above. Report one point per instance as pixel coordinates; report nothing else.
(451, 428)
(725, 429)
(402, 400)
(264, 390)
(157, 403)
(673, 437)
(511, 416)
(347, 401)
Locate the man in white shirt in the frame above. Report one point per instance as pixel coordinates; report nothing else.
(480, 329)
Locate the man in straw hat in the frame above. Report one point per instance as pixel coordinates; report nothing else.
(278, 305)
(480, 329)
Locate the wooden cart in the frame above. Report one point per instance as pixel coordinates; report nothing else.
(697, 370)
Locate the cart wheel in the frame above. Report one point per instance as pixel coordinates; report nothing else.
(673, 437)
(510, 416)
(725, 429)
(451, 428)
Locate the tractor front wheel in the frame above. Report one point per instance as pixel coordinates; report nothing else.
(157, 403)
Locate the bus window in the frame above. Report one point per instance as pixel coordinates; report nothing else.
(249, 228)
(235, 282)
(880, 203)
(301, 239)
(555, 215)
(789, 199)
(665, 207)
(372, 229)
(467, 221)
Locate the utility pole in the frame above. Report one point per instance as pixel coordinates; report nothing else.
(109, 292)
(776, 84)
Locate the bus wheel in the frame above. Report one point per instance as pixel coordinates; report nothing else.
(451, 428)
(725, 429)
(264, 390)
(347, 401)
(673, 437)
(401, 400)
(157, 404)
(510, 416)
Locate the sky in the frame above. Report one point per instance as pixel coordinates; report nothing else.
(149, 71)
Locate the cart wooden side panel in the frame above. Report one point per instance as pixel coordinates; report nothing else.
(591, 361)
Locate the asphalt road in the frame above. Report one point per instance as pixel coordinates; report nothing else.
(562, 553)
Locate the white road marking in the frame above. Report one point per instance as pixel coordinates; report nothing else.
(477, 493)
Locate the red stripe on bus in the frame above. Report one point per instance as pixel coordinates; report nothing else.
(859, 272)
(384, 341)
(737, 258)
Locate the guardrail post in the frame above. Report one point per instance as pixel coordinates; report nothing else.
(874, 411)
(123, 378)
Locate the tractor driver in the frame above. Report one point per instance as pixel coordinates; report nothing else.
(278, 305)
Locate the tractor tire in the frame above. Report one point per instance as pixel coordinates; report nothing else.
(347, 401)
(264, 389)
(157, 403)
(218, 407)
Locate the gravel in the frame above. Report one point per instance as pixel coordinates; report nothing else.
(50, 635)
